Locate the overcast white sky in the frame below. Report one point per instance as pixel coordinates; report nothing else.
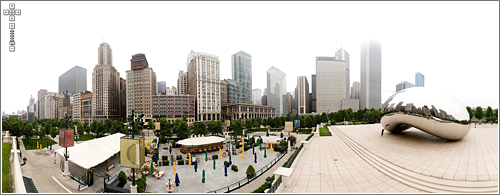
(454, 44)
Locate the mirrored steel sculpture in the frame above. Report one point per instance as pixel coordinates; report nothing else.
(429, 110)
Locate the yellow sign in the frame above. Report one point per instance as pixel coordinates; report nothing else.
(132, 152)
(289, 126)
(228, 123)
(157, 126)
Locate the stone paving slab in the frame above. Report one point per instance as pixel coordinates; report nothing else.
(474, 158)
(330, 166)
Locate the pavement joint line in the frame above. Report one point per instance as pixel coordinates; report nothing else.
(61, 185)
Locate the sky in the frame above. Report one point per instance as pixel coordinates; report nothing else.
(454, 44)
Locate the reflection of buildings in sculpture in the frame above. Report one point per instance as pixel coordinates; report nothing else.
(201, 144)
(242, 110)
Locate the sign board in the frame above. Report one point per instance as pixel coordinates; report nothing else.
(132, 152)
(190, 124)
(157, 126)
(66, 137)
(288, 126)
(228, 123)
(243, 121)
(296, 123)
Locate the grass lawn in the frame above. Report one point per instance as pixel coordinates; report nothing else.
(323, 131)
(32, 143)
(6, 147)
(304, 131)
(85, 137)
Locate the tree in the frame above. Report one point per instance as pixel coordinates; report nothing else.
(53, 132)
(214, 127)
(150, 123)
(309, 121)
(107, 126)
(86, 127)
(100, 129)
(42, 133)
(489, 112)
(46, 131)
(181, 129)
(80, 130)
(479, 113)
(93, 127)
(496, 113)
(258, 121)
(28, 131)
(236, 127)
(469, 110)
(199, 129)
(270, 122)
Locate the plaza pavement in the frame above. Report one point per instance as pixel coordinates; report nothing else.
(330, 165)
(47, 176)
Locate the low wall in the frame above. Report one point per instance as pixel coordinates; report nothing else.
(17, 174)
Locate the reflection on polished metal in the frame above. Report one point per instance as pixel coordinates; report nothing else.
(431, 111)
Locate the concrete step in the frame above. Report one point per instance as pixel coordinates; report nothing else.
(416, 180)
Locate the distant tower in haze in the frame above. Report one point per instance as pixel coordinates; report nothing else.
(371, 75)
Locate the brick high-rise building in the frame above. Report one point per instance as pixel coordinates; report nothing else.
(204, 83)
(105, 87)
(302, 95)
(141, 86)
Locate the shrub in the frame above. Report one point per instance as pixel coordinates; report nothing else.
(226, 163)
(267, 134)
(164, 157)
(250, 170)
(180, 162)
(215, 156)
(122, 178)
(281, 135)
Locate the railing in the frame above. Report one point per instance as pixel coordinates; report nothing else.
(242, 182)
(82, 182)
(309, 137)
(275, 185)
(294, 156)
(100, 190)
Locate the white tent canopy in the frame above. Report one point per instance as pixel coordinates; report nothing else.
(198, 141)
(93, 152)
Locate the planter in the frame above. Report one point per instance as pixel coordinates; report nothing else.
(234, 169)
(250, 175)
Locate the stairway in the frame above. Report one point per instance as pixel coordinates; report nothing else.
(416, 180)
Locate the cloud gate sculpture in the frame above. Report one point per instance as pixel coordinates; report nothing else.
(429, 110)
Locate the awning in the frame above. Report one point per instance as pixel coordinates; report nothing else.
(93, 152)
(198, 141)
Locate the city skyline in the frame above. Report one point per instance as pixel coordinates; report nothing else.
(418, 43)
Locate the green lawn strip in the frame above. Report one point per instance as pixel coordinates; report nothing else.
(304, 131)
(85, 137)
(6, 147)
(32, 143)
(323, 131)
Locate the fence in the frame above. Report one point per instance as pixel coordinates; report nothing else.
(309, 137)
(83, 183)
(242, 182)
(275, 185)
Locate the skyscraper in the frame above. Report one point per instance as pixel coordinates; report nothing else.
(241, 64)
(182, 83)
(105, 87)
(123, 100)
(302, 95)
(356, 86)
(223, 93)
(235, 91)
(419, 79)
(161, 86)
(342, 55)
(256, 96)
(313, 99)
(73, 81)
(141, 86)
(371, 75)
(204, 83)
(276, 90)
(289, 104)
(330, 83)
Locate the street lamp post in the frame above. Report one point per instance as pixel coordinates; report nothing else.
(131, 123)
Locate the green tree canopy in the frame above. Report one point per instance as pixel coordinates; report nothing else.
(181, 129)
(479, 112)
(28, 131)
(489, 112)
(199, 128)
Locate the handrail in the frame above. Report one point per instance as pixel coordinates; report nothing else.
(275, 185)
(243, 182)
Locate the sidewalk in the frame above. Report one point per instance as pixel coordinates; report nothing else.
(250, 187)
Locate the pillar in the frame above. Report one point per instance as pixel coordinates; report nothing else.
(66, 170)
(133, 189)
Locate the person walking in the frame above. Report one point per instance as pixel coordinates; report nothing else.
(381, 134)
